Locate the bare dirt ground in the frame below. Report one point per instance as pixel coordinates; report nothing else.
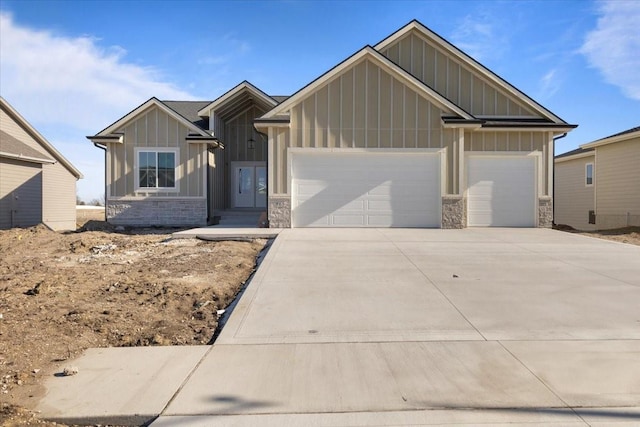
(63, 293)
(629, 235)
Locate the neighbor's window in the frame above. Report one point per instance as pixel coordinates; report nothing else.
(156, 169)
(589, 174)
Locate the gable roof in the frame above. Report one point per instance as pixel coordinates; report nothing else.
(574, 154)
(617, 137)
(14, 148)
(452, 50)
(237, 99)
(189, 110)
(109, 130)
(370, 53)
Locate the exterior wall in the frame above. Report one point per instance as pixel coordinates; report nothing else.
(237, 131)
(156, 129)
(573, 199)
(280, 212)
(365, 107)
(20, 193)
(618, 184)
(545, 212)
(8, 125)
(171, 211)
(58, 197)
(452, 78)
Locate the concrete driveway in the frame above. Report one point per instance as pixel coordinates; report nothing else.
(400, 326)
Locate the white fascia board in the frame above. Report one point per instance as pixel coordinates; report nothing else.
(368, 53)
(245, 85)
(26, 158)
(575, 156)
(611, 140)
(151, 102)
(442, 44)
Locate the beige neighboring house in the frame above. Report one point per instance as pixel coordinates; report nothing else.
(37, 184)
(598, 185)
(411, 132)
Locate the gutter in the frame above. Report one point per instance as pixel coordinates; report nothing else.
(95, 144)
(553, 174)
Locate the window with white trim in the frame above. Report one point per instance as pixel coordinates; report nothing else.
(156, 168)
(588, 174)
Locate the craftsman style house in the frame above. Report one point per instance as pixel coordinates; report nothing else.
(411, 132)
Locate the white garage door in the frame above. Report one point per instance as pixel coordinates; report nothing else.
(366, 190)
(501, 191)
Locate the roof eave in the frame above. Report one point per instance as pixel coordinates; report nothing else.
(611, 140)
(26, 158)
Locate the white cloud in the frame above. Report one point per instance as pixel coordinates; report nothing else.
(72, 81)
(549, 84)
(69, 87)
(480, 36)
(613, 47)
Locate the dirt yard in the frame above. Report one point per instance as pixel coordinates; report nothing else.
(63, 293)
(629, 235)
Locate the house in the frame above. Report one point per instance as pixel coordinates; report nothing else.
(411, 132)
(178, 162)
(597, 186)
(37, 184)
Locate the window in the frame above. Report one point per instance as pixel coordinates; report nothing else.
(588, 174)
(156, 168)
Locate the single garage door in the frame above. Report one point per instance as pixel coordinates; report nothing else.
(501, 191)
(366, 189)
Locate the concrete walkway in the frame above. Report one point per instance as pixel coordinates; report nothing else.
(421, 327)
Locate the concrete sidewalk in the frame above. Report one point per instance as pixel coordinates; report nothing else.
(419, 327)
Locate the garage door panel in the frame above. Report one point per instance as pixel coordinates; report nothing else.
(365, 189)
(501, 191)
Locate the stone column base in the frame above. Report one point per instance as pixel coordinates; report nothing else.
(454, 212)
(545, 212)
(279, 212)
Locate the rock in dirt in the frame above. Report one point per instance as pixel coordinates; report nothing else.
(69, 371)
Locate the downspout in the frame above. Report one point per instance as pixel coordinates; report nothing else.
(95, 144)
(553, 168)
(265, 139)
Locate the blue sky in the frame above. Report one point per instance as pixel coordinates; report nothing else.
(71, 68)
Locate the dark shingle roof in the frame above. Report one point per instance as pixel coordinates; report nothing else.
(189, 110)
(573, 152)
(624, 132)
(279, 98)
(14, 147)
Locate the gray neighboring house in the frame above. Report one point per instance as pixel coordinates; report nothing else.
(411, 132)
(37, 183)
(597, 186)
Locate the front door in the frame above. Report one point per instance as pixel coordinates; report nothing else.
(249, 185)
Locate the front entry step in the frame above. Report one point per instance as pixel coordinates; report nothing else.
(239, 219)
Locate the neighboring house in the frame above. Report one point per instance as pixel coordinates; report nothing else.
(37, 184)
(597, 186)
(409, 133)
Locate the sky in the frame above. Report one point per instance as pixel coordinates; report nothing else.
(72, 68)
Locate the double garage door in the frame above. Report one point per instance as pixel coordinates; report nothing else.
(364, 189)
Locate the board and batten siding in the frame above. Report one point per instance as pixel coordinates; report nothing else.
(617, 178)
(573, 199)
(234, 133)
(20, 193)
(14, 129)
(156, 129)
(58, 197)
(450, 77)
(364, 107)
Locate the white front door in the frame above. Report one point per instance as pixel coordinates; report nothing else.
(249, 185)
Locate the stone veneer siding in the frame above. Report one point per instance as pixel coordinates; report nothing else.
(545, 212)
(454, 212)
(279, 212)
(157, 212)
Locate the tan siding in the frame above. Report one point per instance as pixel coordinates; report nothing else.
(573, 199)
(617, 180)
(58, 197)
(20, 193)
(154, 128)
(8, 125)
(452, 78)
